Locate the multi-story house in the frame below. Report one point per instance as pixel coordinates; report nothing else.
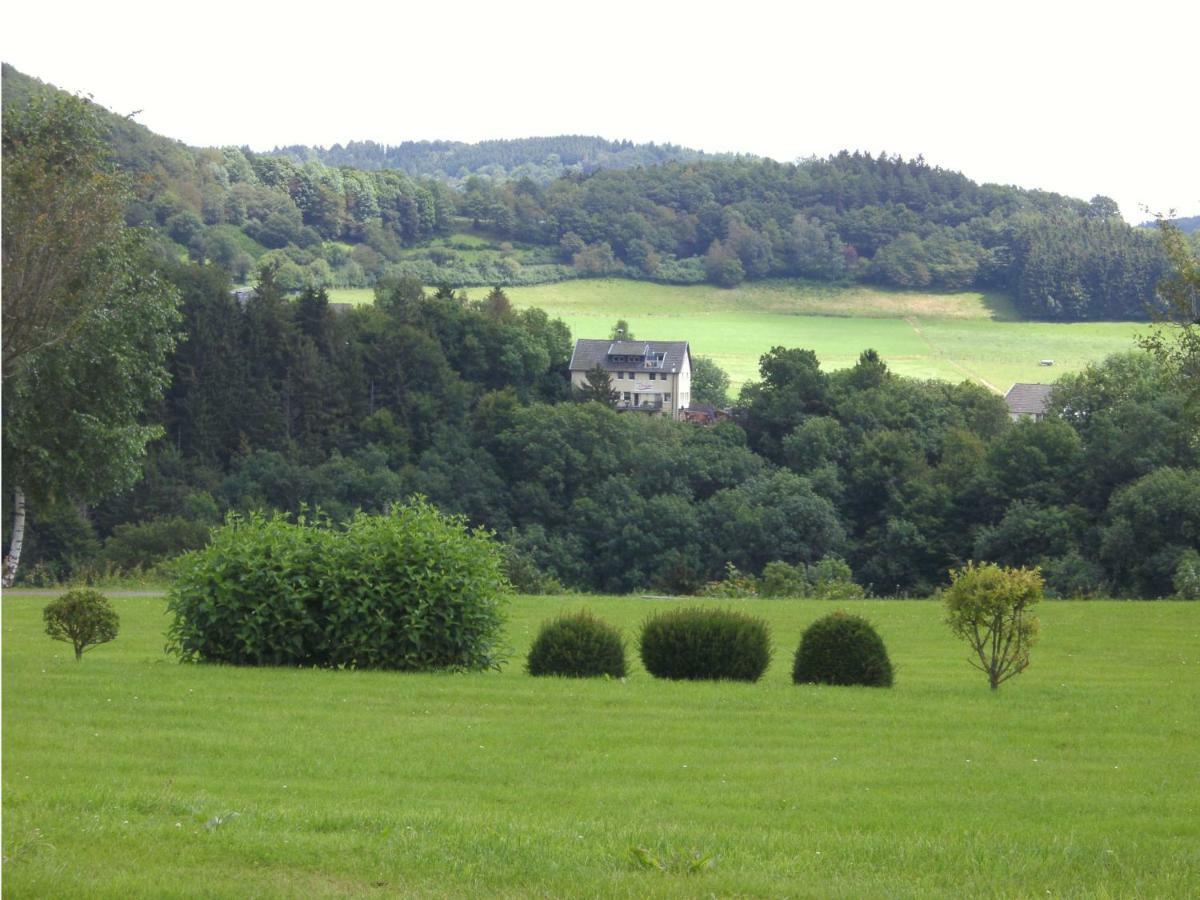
(653, 377)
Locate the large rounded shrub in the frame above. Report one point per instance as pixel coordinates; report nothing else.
(578, 645)
(842, 649)
(699, 643)
(413, 589)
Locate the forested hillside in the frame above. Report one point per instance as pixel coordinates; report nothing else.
(1186, 224)
(276, 401)
(854, 216)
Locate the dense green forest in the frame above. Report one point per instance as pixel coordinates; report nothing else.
(658, 213)
(285, 404)
(276, 401)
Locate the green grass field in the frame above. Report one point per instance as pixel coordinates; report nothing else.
(129, 775)
(948, 336)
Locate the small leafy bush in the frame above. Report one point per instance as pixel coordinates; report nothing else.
(828, 579)
(83, 619)
(410, 590)
(1187, 576)
(779, 579)
(832, 579)
(734, 586)
(579, 646)
(696, 643)
(842, 649)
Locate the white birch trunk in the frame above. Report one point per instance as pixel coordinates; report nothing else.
(13, 559)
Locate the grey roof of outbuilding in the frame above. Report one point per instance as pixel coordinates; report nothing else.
(590, 353)
(1028, 399)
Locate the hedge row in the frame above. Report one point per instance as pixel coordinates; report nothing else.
(412, 590)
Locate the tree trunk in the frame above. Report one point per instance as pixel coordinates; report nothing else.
(13, 559)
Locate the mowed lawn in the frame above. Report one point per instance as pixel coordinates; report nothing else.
(131, 775)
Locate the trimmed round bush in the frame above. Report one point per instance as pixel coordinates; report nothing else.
(698, 643)
(577, 645)
(842, 649)
(410, 590)
(82, 618)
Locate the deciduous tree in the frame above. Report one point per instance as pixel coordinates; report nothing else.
(87, 323)
(989, 607)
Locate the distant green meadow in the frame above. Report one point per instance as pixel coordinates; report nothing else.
(131, 775)
(971, 335)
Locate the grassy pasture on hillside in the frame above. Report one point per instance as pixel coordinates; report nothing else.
(953, 337)
(130, 775)
(922, 335)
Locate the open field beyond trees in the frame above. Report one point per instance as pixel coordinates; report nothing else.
(957, 336)
(131, 775)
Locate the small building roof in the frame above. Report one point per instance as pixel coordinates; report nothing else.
(590, 353)
(1028, 399)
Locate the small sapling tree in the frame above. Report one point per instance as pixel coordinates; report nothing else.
(598, 386)
(988, 606)
(82, 618)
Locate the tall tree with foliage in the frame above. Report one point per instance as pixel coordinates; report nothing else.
(87, 323)
(710, 383)
(1180, 292)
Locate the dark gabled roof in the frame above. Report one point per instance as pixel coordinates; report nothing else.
(707, 408)
(591, 353)
(1028, 399)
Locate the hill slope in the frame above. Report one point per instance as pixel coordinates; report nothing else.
(673, 217)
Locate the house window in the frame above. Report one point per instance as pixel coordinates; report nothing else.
(666, 398)
(652, 374)
(627, 396)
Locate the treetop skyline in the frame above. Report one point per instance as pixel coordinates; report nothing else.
(1066, 99)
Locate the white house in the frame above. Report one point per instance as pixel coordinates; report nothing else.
(653, 377)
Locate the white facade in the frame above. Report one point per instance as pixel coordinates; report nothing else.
(650, 384)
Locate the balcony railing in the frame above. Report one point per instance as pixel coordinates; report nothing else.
(645, 406)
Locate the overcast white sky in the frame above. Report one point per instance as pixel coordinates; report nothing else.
(1064, 96)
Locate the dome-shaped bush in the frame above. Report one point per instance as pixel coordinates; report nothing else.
(700, 644)
(842, 649)
(577, 645)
